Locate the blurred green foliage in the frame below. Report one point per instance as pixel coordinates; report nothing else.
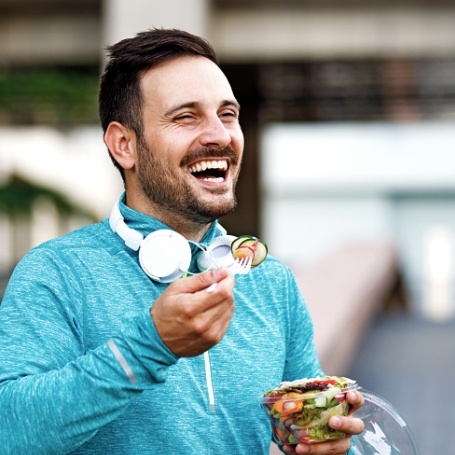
(17, 197)
(59, 97)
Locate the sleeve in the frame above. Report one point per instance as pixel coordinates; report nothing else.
(55, 395)
(301, 356)
(302, 360)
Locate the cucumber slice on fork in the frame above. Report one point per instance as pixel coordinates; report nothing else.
(249, 246)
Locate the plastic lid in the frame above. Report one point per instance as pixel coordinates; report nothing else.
(386, 432)
(217, 255)
(310, 394)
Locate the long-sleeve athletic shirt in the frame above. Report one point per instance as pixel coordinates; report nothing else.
(83, 369)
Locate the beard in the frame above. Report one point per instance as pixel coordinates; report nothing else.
(166, 189)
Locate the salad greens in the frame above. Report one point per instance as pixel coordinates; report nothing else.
(300, 410)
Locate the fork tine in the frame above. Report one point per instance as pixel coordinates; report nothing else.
(243, 261)
(247, 262)
(242, 265)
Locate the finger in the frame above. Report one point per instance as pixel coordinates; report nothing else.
(349, 425)
(214, 299)
(192, 324)
(336, 447)
(212, 287)
(199, 282)
(224, 285)
(355, 399)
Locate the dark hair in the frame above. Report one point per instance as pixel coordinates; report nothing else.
(120, 97)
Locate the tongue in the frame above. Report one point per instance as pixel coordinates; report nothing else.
(210, 174)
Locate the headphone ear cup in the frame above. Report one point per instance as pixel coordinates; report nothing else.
(217, 255)
(165, 255)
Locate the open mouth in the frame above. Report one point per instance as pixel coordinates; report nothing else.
(210, 170)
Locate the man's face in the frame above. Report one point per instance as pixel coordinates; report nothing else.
(189, 159)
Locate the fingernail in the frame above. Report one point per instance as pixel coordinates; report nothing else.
(304, 448)
(335, 422)
(212, 287)
(215, 272)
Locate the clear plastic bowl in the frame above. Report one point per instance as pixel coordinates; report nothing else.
(303, 417)
(386, 432)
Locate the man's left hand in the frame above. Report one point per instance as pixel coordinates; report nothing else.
(349, 425)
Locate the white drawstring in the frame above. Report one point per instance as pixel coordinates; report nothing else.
(208, 378)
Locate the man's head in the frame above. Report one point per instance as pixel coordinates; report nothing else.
(172, 127)
(120, 97)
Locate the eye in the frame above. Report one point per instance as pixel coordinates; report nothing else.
(229, 115)
(185, 118)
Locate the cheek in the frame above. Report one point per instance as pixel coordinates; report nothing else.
(176, 145)
(238, 142)
(167, 149)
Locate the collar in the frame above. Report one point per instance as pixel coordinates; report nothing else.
(132, 226)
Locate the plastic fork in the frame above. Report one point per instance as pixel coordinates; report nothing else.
(241, 266)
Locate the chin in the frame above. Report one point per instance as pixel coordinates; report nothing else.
(211, 212)
(224, 210)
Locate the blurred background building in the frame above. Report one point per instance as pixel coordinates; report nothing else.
(348, 110)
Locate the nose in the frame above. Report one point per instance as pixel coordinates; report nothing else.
(215, 133)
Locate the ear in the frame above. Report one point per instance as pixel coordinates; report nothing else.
(121, 142)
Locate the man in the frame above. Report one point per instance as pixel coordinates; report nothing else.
(107, 350)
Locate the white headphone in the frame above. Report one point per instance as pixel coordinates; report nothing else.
(165, 255)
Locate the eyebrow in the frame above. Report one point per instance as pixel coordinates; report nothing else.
(196, 105)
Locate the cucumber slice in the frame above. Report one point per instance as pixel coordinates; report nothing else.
(249, 242)
(236, 243)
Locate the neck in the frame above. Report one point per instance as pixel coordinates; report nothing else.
(189, 229)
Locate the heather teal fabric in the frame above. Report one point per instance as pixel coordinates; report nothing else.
(75, 303)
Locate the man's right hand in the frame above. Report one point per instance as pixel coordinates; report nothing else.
(191, 320)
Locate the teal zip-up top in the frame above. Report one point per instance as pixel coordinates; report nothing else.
(84, 371)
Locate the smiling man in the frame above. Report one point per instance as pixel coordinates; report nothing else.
(131, 336)
(183, 165)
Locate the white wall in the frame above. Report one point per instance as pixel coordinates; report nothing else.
(326, 185)
(363, 158)
(75, 163)
(122, 19)
(318, 31)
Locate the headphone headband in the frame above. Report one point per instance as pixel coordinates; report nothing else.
(165, 255)
(131, 237)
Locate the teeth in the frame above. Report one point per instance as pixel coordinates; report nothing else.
(214, 179)
(203, 165)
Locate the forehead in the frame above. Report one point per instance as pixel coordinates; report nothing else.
(185, 80)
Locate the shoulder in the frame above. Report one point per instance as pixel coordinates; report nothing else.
(274, 270)
(97, 235)
(87, 240)
(272, 282)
